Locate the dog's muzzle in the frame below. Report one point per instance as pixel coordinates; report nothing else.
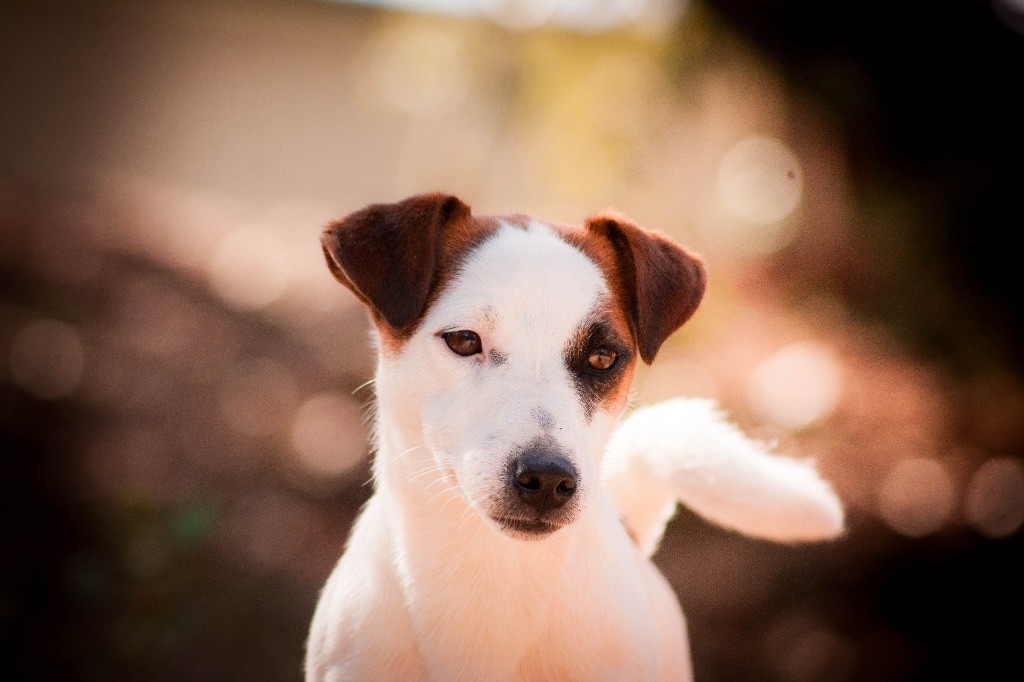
(540, 484)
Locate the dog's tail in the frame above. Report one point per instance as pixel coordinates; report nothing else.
(685, 451)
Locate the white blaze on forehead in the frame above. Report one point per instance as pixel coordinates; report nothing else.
(521, 285)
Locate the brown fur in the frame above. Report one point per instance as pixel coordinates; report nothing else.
(398, 257)
(616, 399)
(658, 283)
(609, 389)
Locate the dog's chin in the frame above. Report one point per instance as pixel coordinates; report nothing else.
(526, 529)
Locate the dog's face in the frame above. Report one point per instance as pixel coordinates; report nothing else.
(508, 344)
(520, 368)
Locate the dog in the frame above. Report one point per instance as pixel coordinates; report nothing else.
(510, 532)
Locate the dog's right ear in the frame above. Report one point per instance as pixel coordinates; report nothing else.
(388, 254)
(662, 283)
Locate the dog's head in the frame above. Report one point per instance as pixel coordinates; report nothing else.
(508, 344)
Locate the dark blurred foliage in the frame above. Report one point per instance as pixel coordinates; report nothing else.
(928, 95)
(116, 507)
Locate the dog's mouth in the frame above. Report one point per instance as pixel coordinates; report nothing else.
(529, 529)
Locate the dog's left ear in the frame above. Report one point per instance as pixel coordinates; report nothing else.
(661, 282)
(388, 254)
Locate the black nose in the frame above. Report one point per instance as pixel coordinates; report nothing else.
(544, 480)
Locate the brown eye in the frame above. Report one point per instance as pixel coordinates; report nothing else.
(463, 342)
(602, 358)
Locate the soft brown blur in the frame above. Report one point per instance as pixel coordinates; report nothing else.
(183, 385)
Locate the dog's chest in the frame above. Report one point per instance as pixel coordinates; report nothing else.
(500, 613)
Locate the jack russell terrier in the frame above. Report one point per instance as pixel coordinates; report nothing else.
(510, 532)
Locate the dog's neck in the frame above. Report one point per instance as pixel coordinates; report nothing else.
(463, 581)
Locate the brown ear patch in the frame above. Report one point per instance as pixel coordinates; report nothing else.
(659, 283)
(395, 256)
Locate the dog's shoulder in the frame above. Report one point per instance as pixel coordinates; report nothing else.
(361, 630)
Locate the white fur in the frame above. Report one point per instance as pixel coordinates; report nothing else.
(525, 293)
(429, 587)
(685, 451)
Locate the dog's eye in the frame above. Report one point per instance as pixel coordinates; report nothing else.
(463, 342)
(602, 358)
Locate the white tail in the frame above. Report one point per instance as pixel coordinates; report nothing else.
(684, 450)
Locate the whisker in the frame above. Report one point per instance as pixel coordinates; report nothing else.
(403, 453)
(422, 472)
(393, 459)
(362, 386)
(449, 489)
(471, 508)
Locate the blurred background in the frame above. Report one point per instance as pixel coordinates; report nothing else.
(182, 384)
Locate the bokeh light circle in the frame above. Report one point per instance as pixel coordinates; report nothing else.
(328, 434)
(249, 269)
(916, 497)
(995, 497)
(760, 180)
(47, 358)
(257, 397)
(797, 386)
(421, 71)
